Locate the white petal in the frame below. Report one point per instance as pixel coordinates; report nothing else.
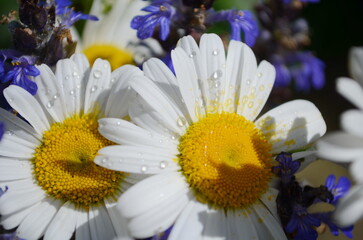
(100, 224)
(291, 126)
(156, 70)
(151, 192)
(268, 226)
(351, 122)
(63, 224)
(98, 85)
(169, 113)
(269, 200)
(50, 93)
(82, 65)
(350, 208)
(356, 169)
(136, 159)
(120, 94)
(125, 132)
(188, 83)
(146, 117)
(251, 102)
(35, 224)
(351, 90)
(12, 169)
(13, 146)
(356, 63)
(69, 76)
(340, 146)
(213, 57)
(82, 227)
(14, 219)
(159, 218)
(119, 222)
(189, 225)
(240, 225)
(215, 225)
(28, 107)
(14, 125)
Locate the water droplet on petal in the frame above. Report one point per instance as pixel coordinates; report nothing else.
(192, 54)
(75, 74)
(105, 65)
(215, 52)
(120, 160)
(104, 160)
(118, 123)
(56, 96)
(10, 133)
(11, 100)
(71, 92)
(50, 104)
(181, 121)
(217, 74)
(160, 141)
(163, 164)
(78, 86)
(259, 74)
(144, 168)
(109, 164)
(113, 80)
(67, 77)
(93, 89)
(97, 73)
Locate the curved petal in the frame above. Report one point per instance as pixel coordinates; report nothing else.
(119, 222)
(240, 225)
(82, 227)
(14, 219)
(356, 169)
(100, 224)
(351, 122)
(12, 169)
(350, 208)
(269, 200)
(292, 126)
(13, 146)
(355, 63)
(28, 107)
(351, 90)
(340, 146)
(34, 225)
(215, 225)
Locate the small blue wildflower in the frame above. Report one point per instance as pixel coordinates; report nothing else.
(18, 72)
(160, 14)
(302, 223)
(306, 70)
(2, 129)
(326, 217)
(339, 189)
(286, 168)
(67, 14)
(238, 20)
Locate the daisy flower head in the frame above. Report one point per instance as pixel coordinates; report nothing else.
(346, 146)
(54, 187)
(111, 37)
(198, 135)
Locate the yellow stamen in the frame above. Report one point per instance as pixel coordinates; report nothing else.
(63, 163)
(226, 160)
(116, 56)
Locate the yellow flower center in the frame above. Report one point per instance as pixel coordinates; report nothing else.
(226, 160)
(113, 54)
(63, 163)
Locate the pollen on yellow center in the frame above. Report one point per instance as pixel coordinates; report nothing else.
(116, 56)
(226, 160)
(63, 163)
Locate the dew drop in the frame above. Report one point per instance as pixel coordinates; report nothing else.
(144, 168)
(10, 133)
(120, 160)
(93, 89)
(181, 121)
(259, 74)
(104, 160)
(97, 73)
(217, 74)
(215, 52)
(248, 82)
(163, 164)
(109, 164)
(173, 137)
(217, 84)
(71, 92)
(160, 141)
(113, 80)
(118, 123)
(67, 77)
(105, 65)
(75, 74)
(11, 100)
(50, 104)
(78, 86)
(56, 96)
(192, 54)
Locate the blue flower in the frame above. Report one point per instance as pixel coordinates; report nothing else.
(286, 168)
(302, 223)
(238, 20)
(160, 14)
(327, 218)
(2, 129)
(339, 189)
(18, 71)
(306, 70)
(67, 14)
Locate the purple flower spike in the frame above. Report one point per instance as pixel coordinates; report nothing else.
(160, 13)
(286, 168)
(68, 16)
(238, 20)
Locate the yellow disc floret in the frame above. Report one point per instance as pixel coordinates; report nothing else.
(226, 160)
(111, 53)
(63, 163)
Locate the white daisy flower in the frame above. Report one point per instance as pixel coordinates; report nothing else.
(54, 187)
(111, 38)
(198, 134)
(347, 145)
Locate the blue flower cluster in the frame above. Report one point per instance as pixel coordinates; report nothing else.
(293, 201)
